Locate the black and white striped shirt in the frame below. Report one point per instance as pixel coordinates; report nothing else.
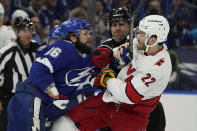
(15, 64)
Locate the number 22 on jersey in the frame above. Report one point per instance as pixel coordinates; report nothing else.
(147, 80)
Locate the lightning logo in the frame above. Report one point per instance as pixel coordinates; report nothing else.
(77, 76)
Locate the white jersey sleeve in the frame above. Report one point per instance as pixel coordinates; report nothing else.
(145, 78)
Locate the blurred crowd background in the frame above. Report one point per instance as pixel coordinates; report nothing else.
(182, 16)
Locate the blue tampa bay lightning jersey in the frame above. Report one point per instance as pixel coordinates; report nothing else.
(65, 66)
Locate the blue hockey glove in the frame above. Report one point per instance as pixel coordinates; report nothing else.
(125, 58)
(56, 108)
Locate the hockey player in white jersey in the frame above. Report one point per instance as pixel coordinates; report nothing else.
(129, 98)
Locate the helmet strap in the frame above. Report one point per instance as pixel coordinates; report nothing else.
(148, 46)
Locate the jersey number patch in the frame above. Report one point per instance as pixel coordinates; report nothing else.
(148, 79)
(54, 52)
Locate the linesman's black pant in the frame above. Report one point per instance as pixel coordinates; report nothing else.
(157, 120)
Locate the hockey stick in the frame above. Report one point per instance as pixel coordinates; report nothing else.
(132, 20)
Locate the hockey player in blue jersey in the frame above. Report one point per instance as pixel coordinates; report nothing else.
(54, 33)
(56, 78)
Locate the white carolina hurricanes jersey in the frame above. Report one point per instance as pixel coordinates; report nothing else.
(144, 78)
(7, 35)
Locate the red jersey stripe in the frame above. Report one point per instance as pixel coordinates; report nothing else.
(132, 94)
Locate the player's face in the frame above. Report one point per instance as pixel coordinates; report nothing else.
(141, 37)
(85, 37)
(25, 36)
(120, 30)
(84, 42)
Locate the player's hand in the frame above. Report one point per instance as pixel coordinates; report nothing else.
(119, 50)
(102, 56)
(102, 78)
(122, 54)
(125, 58)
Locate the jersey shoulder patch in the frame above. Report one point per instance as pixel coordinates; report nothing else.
(160, 62)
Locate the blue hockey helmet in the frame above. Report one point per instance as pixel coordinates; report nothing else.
(74, 25)
(54, 32)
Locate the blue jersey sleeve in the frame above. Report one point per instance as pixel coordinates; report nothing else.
(58, 57)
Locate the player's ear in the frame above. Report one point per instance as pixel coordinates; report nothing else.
(152, 40)
(73, 39)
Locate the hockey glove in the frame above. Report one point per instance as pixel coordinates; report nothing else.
(102, 56)
(56, 108)
(125, 57)
(100, 77)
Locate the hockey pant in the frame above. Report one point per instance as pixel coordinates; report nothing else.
(93, 114)
(26, 113)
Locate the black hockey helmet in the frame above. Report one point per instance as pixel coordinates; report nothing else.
(23, 23)
(119, 15)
